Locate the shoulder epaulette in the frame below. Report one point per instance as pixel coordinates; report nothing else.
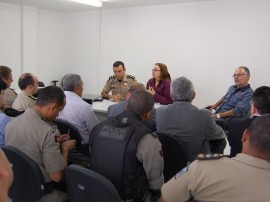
(131, 77)
(33, 97)
(209, 156)
(111, 77)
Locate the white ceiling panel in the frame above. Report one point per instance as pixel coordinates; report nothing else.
(67, 6)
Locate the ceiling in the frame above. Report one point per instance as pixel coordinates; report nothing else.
(67, 6)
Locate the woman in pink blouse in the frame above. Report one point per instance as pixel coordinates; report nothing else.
(159, 85)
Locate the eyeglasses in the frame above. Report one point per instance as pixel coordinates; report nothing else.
(238, 75)
(156, 70)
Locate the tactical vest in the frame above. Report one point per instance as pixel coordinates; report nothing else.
(113, 146)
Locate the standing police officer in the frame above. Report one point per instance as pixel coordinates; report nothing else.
(118, 83)
(215, 178)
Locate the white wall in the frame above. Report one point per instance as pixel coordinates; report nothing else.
(51, 46)
(204, 41)
(32, 40)
(10, 38)
(82, 52)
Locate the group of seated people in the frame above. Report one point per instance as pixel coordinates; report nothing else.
(128, 134)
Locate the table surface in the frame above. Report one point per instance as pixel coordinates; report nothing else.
(102, 106)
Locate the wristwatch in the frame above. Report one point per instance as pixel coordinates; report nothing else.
(218, 116)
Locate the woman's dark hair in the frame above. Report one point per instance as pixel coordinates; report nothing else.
(164, 74)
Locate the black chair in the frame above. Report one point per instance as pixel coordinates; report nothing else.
(41, 84)
(12, 112)
(175, 155)
(66, 127)
(28, 183)
(86, 185)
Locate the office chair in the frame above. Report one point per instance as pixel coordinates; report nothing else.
(28, 183)
(12, 112)
(175, 155)
(86, 185)
(41, 84)
(66, 127)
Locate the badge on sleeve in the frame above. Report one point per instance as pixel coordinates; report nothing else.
(55, 132)
(182, 172)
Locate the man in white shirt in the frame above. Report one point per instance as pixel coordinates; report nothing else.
(77, 111)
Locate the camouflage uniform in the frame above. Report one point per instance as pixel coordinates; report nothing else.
(119, 88)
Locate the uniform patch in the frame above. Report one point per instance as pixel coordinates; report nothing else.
(182, 172)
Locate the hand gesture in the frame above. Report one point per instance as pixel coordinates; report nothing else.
(63, 138)
(151, 90)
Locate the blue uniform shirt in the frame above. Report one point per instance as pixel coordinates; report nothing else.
(237, 100)
(3, 122)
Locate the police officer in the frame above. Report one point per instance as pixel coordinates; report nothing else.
(132, 159)
(118, 83)
(34, 134)
(29, 86)
(216, 178)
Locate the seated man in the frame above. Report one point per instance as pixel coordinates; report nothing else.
(131, 155)
(118, 108)
(9, 94)
(77, 111)
(118, 83)
(34, 134)
(236, 102)
(4, 119)
(29, 86)
(196, 127)
(227, 179)
(260, 104)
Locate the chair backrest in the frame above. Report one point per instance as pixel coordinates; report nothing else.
(41, 84)
(66, 127)
(174, 153)
(28, 183)
(86, 185)
(12, 112)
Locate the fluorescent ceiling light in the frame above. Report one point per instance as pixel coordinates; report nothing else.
(97, 3)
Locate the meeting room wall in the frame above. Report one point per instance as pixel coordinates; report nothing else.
(32, 40)
(204, 41)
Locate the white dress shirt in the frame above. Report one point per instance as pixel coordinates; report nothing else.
(80, 114)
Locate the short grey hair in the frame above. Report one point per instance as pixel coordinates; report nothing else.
(259, 133)
(70, 81)
(141, 102)
(245, 69)
(182, 90)
(136, 87)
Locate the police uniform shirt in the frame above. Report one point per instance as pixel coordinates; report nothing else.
(149, 153)
(23, 101)
(119, 87)
(31, 134)
(242, 178)
(9, 96)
